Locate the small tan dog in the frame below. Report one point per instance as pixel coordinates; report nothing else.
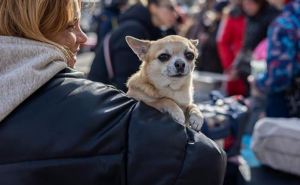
(164, 80)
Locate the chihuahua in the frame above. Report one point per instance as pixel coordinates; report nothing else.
(164, 80)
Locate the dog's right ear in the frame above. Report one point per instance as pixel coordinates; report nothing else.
(194, 42)
(139, 47)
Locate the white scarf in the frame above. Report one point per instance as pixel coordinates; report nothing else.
(25, 65)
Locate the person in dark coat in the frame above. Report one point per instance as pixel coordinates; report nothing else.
(205, 28)
(56, 127)
(107, 19)
(140, 22)
(257, 22)
(260, 14)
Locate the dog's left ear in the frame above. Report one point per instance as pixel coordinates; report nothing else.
(194, 42)
(139, 47)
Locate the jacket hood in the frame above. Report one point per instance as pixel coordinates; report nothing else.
(25, 65)
(138, 13)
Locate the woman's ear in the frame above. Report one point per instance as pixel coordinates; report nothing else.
(139, 47)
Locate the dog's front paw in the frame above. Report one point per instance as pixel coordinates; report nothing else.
(196, 120)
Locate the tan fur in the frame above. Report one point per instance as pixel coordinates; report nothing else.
(151, 85)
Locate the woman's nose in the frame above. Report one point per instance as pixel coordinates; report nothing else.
(82, 38)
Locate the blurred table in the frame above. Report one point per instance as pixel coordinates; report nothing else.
(205, 82)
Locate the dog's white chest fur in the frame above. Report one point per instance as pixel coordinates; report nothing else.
(181, 95)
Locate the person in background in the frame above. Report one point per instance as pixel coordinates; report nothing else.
(107, 20)
(257, 101)
(56, 127)
(259, 16)
(205, 29)
(229, 42)
(144, 22)
(283, 61)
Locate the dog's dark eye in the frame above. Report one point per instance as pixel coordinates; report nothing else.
(189, 55)
(164, 57)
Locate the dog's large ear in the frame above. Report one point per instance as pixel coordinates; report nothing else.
(194, 42)
(139, 47)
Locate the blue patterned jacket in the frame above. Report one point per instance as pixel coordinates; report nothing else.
(283, 58)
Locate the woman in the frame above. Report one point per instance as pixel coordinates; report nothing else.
(143, 22)
(58, 128)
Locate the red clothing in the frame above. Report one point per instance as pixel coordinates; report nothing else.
(230, 38)
(229, 42)
(236, 87)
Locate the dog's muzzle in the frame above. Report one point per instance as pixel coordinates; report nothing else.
(180, 66)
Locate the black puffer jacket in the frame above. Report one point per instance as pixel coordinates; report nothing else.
(76, 132)
(135, 22)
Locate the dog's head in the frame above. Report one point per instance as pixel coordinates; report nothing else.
(170, 58)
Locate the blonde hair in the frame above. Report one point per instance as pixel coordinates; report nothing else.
(36, 19)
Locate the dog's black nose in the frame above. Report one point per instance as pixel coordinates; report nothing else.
(179, 65)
